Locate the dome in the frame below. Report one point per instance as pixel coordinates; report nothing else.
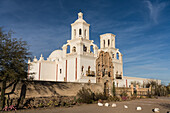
(56, 54)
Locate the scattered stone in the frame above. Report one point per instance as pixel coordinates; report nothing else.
(155, 110)
(100, 104)
(114, 105)
(125, 106)
(138, 108)
(107, 104)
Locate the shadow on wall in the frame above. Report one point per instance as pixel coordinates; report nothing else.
(22, 95)
(45, 86)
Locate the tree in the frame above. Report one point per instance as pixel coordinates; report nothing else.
(13, 61)
(168, 89)
(114, 89)
(156, 89)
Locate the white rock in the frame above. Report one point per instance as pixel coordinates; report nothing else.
(107, 104)
(156, 110)
(100, 104)
(125, 106)
(114, 105)
(138, 108)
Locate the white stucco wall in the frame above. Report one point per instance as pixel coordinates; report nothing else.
(48, 71)
(34, 70)
(71, 68)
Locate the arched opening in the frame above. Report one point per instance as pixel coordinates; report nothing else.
(89, 69)
(103, 73)
(108, 74)
(85, 33)
(108, 43)
(82, 68)
(106, 88)
(80, 32)
(117, 56)
(68, 49)
(60, 71)
(104, 43)
(74, 49)
(91, 49)
(74, 33)
(84, 48)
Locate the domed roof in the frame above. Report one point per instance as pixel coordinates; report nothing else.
(56, 54)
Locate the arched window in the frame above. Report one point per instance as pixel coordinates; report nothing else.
(74, 33)
(68, 49)
(84, 48)
(91, 49)
(108, 43)
(79, 31)
(74, 49)
(82, 68)
(60, 71)
(117, 56)
(89, 69)
(109, 74)
(104, 43)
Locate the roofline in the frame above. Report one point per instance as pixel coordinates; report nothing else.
(108, 34)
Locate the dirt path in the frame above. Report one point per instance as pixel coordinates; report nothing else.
(147, 105)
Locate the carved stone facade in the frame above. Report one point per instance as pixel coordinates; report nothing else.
(104, 66)
(104, 71)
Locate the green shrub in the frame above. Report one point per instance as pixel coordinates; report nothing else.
(85, 96)
(114, 89)
(113, 98)
(100, 96)
(41, 105)
(124, 94)
(161, 90)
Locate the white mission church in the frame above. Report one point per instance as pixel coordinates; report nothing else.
(76, 62)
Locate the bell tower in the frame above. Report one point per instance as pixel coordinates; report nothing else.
(107, 41)
(80, 28)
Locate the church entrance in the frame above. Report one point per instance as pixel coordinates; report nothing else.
(106, 88)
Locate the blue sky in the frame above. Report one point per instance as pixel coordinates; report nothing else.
(142, 29)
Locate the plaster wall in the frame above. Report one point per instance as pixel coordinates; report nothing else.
(48, 71)
(33, 69)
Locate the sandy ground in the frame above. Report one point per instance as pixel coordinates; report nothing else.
(147, 105)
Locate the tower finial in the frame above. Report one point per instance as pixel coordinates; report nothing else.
(35, 59)
(80, 15)
(41, 58)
